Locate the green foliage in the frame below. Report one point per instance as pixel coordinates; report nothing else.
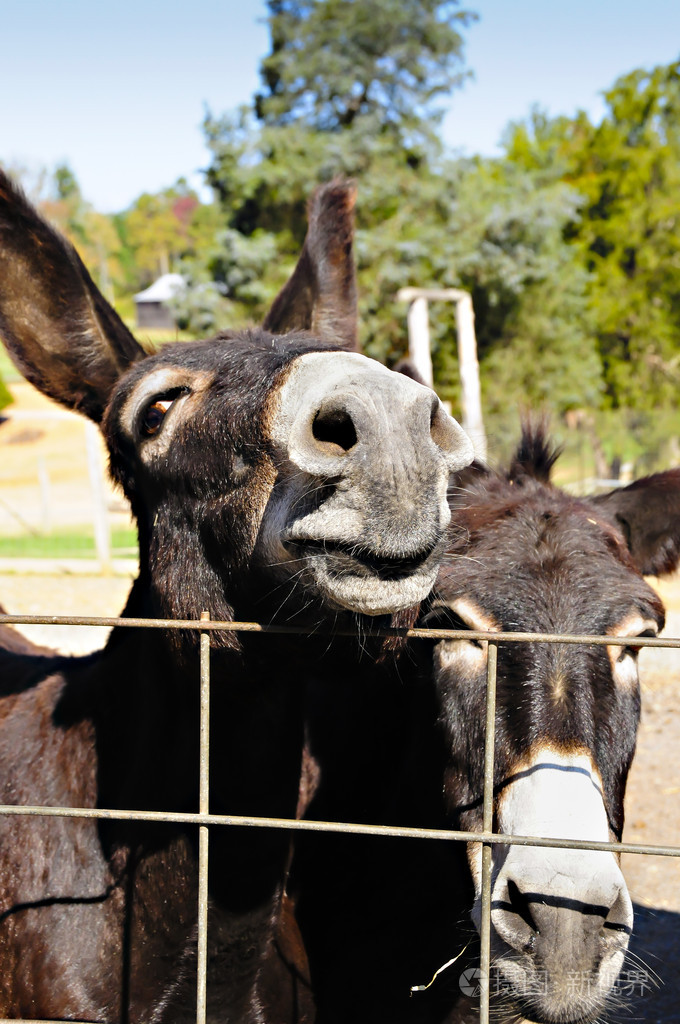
(530, 297)
(66, 186)
(568, 243)
(69, 543)
(334, 62)
(627, 236)
(161, 229)
(349, 90)
(5, 395)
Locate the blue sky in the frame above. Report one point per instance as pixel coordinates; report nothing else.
(119, 90)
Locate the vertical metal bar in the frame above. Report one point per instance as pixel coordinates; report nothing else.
(487, 848)
(203, 807)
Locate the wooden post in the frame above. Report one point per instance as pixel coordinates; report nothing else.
(473, 421)
(419, 338)
(468, 367)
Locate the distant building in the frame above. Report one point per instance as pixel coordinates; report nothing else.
(152, 304)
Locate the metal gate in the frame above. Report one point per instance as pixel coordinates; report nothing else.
(203, 819)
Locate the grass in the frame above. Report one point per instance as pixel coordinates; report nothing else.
(74, 543)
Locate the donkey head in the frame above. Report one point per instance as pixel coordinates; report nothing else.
(531, 558)
(261, 466)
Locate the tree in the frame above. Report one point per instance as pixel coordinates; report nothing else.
(349, 88)
(568, 242)
(160, 229)
(93, 234)
(630, 235)
(334, 62)
(626, 236)
(627, 169)
(502, 239)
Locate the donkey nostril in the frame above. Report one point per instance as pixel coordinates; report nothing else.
(519, 905)
(335, 426)
(449, 437)
(512, 918)
(619, 917)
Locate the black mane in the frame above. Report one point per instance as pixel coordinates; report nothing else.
(536, 454)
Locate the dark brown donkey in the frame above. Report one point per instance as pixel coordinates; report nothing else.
(523, 556)
(271, 475)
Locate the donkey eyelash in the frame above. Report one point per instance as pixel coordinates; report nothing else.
(445, 618)
(154, 413)
(632, 651)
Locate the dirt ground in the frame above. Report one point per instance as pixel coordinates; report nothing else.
(45, 479)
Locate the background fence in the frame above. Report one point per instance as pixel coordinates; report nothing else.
(56, 500)
(204, 820)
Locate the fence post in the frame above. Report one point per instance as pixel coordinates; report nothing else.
(487, 825)
(468, 364)
(471, 391)
(102, 535)
(419, 338)
(203, 831)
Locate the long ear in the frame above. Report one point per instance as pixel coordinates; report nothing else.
(321, 294)
(409, 369)
(57, 326)
(648, 513)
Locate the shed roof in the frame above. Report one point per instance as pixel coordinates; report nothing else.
(163, 289)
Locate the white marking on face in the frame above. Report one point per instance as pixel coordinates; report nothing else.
(154, 387)
(388, 404)
(466, 656)
(623, 660)
(554, 794)
(315, 376)
(474, 616)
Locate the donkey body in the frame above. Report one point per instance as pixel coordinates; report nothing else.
(523, 556)
(267, 472)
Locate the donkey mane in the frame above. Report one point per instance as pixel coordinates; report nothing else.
(481, 497)
(536, 454)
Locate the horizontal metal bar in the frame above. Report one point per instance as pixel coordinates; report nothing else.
(354, 828)
(423, 634)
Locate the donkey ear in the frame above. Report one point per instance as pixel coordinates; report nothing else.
(409, 369)
(321, 294)
(648, 513)
(58, 328)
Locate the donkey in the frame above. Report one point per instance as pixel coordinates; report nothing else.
(523, 556)
(272, 473)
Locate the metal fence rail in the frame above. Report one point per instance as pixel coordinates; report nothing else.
(203, 819)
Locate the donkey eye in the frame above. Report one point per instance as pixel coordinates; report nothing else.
(632, 651)
(445, 618)
(154, 416)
